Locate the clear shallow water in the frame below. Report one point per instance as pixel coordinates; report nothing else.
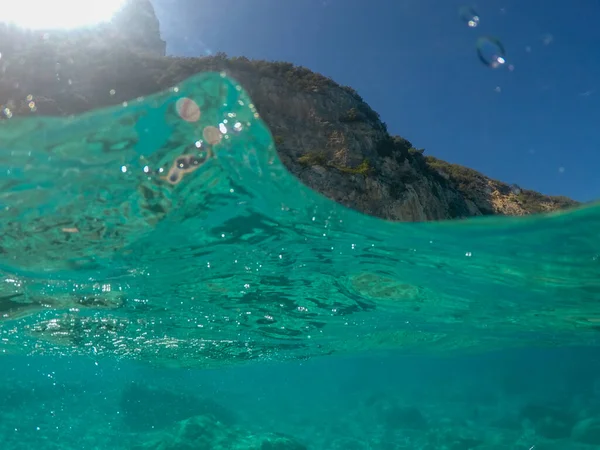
(113, 272)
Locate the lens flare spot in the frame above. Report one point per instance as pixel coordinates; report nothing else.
(469, 16)
(491, 52)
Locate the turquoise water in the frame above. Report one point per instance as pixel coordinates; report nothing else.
(168, 286)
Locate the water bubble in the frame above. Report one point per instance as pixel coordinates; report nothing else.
(188, 109)
(212, 135)
(468, 15)
(491, 52)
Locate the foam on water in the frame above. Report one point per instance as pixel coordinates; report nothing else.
(104, 254)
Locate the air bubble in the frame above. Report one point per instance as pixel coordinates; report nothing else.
(469, 16)
(198, 160)
(112, 92)
(182, 163)
(491, 52)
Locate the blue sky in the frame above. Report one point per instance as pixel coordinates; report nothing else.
(415, 62)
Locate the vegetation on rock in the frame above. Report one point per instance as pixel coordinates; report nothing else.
(364, 168)
(313, 159)
(472, 183)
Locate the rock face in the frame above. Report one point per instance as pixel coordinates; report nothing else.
(325, 133)
(137, 23)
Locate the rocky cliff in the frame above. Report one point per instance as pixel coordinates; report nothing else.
(137, 25)
(325, 133)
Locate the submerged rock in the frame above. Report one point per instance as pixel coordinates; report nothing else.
(143, 408)
(549, 421)
(587, 431)
(205, 433)
(399, 417)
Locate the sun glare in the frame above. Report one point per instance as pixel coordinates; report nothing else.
(57, 14)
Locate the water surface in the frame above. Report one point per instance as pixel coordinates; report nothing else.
(138, 236)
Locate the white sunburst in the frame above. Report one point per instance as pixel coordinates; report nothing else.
(57, 14)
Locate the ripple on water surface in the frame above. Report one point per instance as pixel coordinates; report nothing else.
(168, 231)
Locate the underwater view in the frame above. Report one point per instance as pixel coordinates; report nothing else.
(199, 256)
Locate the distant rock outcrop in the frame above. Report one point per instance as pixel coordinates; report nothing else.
(325, 133)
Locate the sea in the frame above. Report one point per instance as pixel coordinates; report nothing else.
(167, 284)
